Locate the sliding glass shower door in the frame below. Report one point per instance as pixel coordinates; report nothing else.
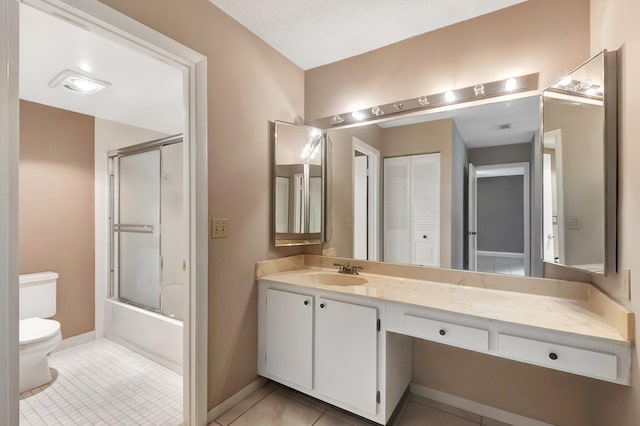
(138, 229)
(148, 244)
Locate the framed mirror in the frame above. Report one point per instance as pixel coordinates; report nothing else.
(451, 189)
(297, 184)
(579, 167)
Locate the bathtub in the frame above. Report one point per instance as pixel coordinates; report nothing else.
(151, 335)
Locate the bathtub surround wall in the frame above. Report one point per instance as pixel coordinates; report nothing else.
(249, 84)
(56, 208)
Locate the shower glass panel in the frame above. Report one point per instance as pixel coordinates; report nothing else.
(138, 229)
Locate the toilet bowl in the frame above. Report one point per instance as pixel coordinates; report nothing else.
(38, 336)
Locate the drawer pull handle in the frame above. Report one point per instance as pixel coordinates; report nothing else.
(322, 306)
(553, 356)
(442, 332)
(306, 302)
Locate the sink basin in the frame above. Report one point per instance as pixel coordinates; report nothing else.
(334, 279)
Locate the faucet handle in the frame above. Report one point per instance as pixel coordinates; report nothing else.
(338, 264)
(354, 269)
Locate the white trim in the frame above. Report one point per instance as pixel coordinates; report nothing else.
(121, 28)
(80, 339)
(501, 254)
(475, 407)
(9, 158)
(515, 169)
(234, 399)
(553, 140)
(374, 195)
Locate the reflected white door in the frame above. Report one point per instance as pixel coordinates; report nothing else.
(547, 211)
(360, 208)
(315, 204)
(473, 218)
(282, 204)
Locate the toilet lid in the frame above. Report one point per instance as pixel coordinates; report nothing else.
(36, 329)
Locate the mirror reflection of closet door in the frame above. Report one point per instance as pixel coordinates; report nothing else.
(473, 218)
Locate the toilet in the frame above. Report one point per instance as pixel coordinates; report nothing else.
(38, 335)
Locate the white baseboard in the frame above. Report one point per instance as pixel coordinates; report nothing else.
(501, 254)
(475, 407)
(80, 339)
(233, 400)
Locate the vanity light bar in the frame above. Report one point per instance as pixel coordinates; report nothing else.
(450, 97)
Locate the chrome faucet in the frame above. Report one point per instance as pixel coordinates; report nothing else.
(348, 268)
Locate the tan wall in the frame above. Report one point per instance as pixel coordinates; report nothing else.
(614, 25)
(534, 36)
(56, 208)
(426, 138)
(249, 84)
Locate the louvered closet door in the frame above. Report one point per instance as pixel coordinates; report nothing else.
(397, 226)
(425, 209)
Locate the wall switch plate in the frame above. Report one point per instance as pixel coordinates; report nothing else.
(625, 283)
(219, 227)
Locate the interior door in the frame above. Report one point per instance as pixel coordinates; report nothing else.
(397, 208)
(425, 209)
(473, 218)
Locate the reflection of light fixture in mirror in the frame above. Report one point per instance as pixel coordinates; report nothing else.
(510, 84)
(357, 115)
(377, 111)
(478, 90)
(449, 96)
(591, 91)
(565, 81)
(337, 119)
(76, 82)
(423, 101)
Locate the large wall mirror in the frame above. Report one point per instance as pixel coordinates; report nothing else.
(579, 167)
(453, 189)
(297, 184)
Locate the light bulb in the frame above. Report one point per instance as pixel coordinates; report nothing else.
(449, 96)
(510, 84)
(82, 85)
(565, 81)
(357, 115)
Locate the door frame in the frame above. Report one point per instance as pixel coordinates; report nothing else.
(552, 140)
(119, 27)
(512, 169)
(373, 192)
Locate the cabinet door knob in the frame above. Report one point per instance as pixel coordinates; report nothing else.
(424, 236)
(553, 356)
(306, 302)
(322, 305)
(442, 332)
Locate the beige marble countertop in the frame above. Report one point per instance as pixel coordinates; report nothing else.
(563, 314)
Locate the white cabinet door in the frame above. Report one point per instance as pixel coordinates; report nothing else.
(346, 353)
(289, 342)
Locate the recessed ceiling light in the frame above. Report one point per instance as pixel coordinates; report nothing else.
(77, 82)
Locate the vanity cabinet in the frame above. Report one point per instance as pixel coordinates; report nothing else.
(289, 337)
(347, 353)
(332, 347)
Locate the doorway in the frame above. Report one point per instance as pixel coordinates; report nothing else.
(366, 204)
(498, 222)
(118, 28)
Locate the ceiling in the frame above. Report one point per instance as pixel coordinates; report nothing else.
(312, 33)
(144, 91)
(481, 126)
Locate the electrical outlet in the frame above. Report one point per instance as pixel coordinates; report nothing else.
(625, 283)
(219, 227)
(573, 222)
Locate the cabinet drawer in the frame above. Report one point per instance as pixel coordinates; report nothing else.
(447, 333)
(560, 357)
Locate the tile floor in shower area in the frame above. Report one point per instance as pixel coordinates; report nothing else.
(103, 383)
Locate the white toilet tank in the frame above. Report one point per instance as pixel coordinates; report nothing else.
(38, 295)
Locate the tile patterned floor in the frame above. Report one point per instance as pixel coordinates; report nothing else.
(102, 383)
(501, 265)
(275, 405)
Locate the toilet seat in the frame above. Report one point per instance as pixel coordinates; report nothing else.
(33, 330)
